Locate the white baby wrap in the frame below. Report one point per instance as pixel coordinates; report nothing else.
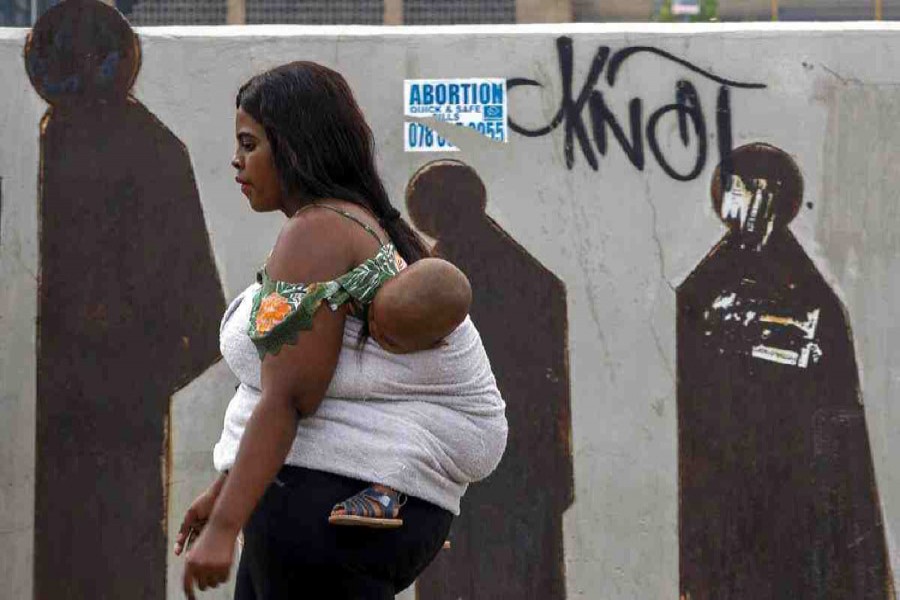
(426, 424)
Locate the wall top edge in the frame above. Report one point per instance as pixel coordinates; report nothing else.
(524, 29)
(13, 33)
(274, 31)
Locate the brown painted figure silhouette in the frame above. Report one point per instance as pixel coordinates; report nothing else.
(129, 304)
(777, 488)
(507, 543)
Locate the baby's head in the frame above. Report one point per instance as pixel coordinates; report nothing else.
(419, 307)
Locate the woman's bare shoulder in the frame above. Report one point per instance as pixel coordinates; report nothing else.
(313, 245)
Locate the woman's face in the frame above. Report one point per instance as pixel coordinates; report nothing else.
(256, 172)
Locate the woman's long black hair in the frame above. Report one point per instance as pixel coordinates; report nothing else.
(321, 144)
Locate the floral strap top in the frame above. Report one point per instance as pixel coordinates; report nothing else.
(281, 310)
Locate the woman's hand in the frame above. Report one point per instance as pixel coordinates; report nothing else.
(194, 520)
(197, 515)
(208, 563)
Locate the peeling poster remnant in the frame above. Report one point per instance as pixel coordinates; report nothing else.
(776, 482)
(479, 104)
(129, 305)
(508, 541)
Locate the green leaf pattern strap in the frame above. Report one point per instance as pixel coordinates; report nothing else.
(282, 310)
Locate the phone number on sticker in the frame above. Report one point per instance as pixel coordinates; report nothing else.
(421, 136)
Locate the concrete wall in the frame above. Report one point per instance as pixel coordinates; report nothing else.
(621, 238)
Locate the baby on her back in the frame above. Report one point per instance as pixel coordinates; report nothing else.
(413, 311)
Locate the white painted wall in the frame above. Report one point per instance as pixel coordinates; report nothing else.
(19, 118)
(620, 238)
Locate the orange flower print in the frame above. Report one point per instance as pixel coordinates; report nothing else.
(272, 310)
(398, 260)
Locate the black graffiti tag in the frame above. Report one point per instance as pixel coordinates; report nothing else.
(686, 109)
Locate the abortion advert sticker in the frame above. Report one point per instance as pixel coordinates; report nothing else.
(479, 104)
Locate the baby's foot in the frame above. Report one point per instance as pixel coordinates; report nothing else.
(376, 506)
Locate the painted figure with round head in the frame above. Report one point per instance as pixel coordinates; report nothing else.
(129, 304)
(776, 481)
(520, 308)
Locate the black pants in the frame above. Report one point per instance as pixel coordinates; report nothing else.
(292, 552)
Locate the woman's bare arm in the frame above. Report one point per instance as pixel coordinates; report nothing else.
(294, 382)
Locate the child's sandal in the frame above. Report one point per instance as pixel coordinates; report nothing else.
(370, 508)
